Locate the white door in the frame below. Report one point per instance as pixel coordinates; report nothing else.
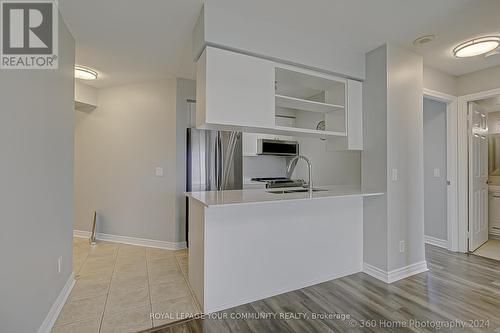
(478, 176)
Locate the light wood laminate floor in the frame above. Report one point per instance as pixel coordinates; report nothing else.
(458, 289)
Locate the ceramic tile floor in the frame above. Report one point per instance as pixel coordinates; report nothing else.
(118, 287)
(490, 249)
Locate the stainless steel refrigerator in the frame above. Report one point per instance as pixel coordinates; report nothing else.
(214, 162)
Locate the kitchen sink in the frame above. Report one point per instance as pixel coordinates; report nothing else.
(301, 190)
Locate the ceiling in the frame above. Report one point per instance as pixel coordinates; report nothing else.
(130, 41)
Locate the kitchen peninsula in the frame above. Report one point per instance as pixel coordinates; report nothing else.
(246, 245)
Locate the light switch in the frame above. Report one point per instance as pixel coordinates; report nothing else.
(394, 175)
(159, 172)
(437, 173)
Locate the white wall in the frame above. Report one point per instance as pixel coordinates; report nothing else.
(393, 107)
(479, 81)
(435, 188)
(117, 148)
(186, 89)
(374, 158)
(439, 81)
(36, 191)
(470, 83)
(462, 85)
(405, 153)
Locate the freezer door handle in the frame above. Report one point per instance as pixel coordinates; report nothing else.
(218, 162)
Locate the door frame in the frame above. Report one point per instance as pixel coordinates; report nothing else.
(463, 163)
(452, 173)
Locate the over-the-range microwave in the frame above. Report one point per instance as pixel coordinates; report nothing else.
(277, 147)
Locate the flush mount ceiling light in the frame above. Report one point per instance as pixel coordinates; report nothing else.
(85, 73)
(476, 47)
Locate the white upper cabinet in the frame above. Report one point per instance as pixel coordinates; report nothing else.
(354, 115)
(241, 92)
(315, 101)
(354, 120)
(234, 90)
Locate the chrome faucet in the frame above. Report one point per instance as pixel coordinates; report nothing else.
(291, 166)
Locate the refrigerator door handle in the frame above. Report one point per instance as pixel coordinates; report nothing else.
(216, 163)
(220, 162)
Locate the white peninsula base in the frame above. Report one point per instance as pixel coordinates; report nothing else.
(239, 253)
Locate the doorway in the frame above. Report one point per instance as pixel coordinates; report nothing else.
(484, 176)
(435, 173)
(441, 226)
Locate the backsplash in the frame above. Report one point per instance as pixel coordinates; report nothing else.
(263, 166)
(329, 168)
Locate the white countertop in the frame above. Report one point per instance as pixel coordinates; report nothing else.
(248, 196)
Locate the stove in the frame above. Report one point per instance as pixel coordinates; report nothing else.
(279, 182)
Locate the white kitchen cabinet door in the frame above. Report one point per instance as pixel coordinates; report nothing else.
(234, 90)
(354, 114)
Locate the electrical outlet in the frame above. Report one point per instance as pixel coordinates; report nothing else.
(402, 246)
(59, 265)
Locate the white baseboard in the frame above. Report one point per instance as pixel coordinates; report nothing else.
(81, 234)
(407, 271)
(56, 308)
(375, 272)
(132, 240)
(397, 274)
(436, 241)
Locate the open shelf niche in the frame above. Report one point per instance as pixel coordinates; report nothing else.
(309, 102)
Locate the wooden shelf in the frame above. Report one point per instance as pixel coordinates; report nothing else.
(308, 132)
(305, 105)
